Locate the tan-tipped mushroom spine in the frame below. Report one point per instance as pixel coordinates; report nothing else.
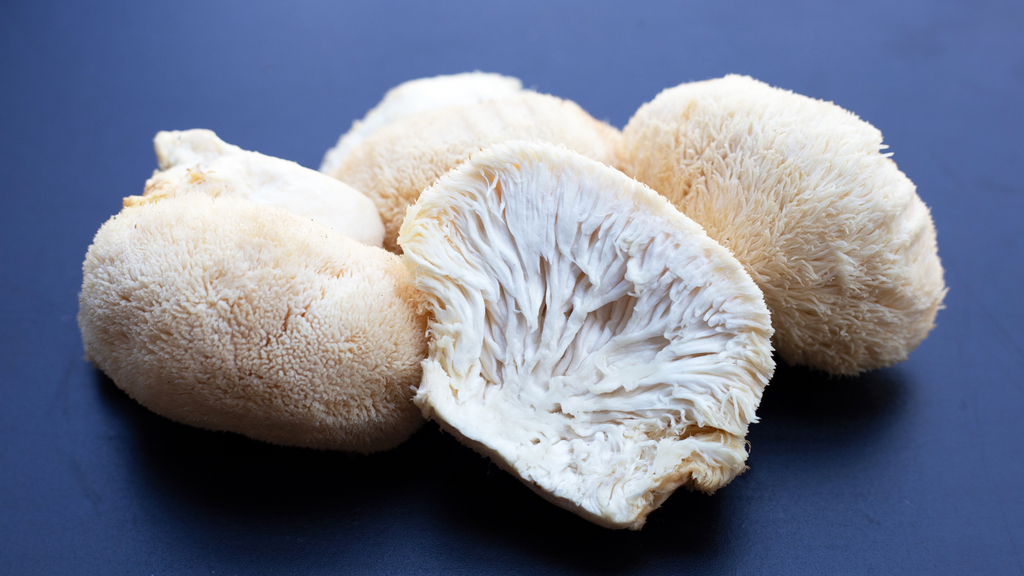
(801, 193)
(229, 315)
(397, 162)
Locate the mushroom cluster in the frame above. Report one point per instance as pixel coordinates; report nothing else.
(481, 255)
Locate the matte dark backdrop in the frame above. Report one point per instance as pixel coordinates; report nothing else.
(912, 470)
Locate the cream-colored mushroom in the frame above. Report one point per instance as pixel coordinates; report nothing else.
(798, 189)
(397, 162)
(197, 160)
(229, 315)
(418, 96)
(585, 335)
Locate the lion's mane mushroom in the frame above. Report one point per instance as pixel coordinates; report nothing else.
(418, 96)
(199, 161)
(397, 162)
(585, 335)
(230, 315)
(832, 232)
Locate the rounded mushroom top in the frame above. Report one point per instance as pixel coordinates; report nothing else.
(229, 315)
(585, 334)
(197, 160)
(402, 159)
(417, 96)
(798, 189)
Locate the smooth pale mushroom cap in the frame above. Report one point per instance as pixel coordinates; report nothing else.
(418, 96)
(798, 189)
(403, 158)
(229, 315)
(585, 335)
(199, 161)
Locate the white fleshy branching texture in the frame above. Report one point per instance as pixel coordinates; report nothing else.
(418, 96)
(402, 159)
(586, 335)
(798, 189)
(229, 315)
(199, 161)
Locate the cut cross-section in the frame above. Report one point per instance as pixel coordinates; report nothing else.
(585, 335)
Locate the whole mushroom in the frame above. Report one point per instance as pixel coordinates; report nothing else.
(800, 192)
(220, 312)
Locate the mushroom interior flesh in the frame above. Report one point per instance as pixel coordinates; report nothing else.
(586, 335)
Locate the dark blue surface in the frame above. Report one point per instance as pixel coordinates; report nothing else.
(917, 469)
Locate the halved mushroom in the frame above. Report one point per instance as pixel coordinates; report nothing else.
(418, 96)
(230, 315)
(397, 162)
(829, 228)
(199, 161)
(585, 335)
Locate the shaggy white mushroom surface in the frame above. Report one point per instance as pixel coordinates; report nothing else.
(585, 335)
(400, 160)
(418, 96)
(800, 192)
(229, 315)
(199, 161)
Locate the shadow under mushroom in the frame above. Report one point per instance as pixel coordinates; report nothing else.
(432, 494)
(805, 409)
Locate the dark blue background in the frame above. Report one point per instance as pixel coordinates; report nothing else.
(916, 469)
